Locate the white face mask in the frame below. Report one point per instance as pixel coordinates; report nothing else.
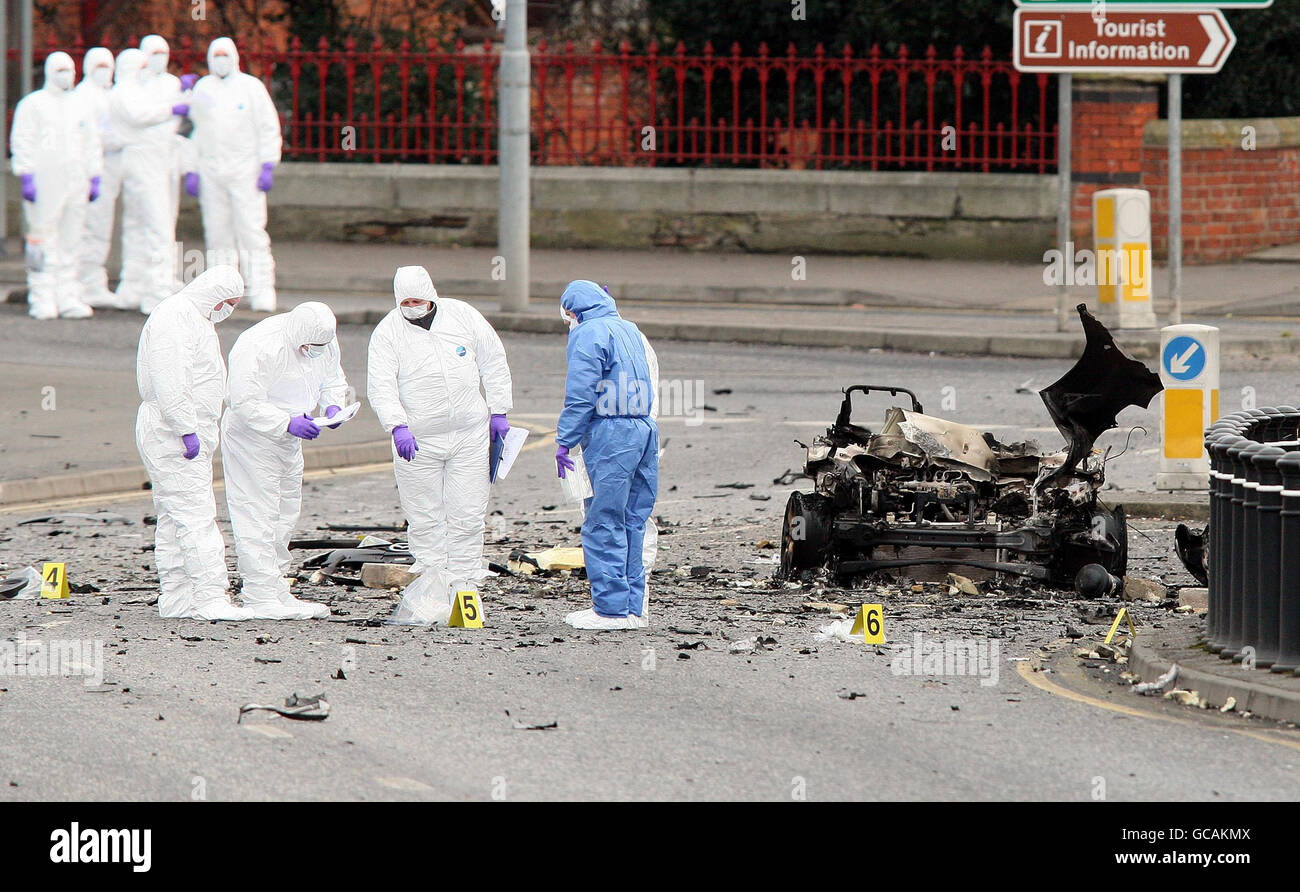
(62, 78)
(568, 319)
(102, 76)
(222, 65)
(157, 62)
(313, 351)
(221, 312)
(416, 312)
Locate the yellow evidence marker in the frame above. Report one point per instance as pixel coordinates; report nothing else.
(55, 584)
(1120, 617)
(870, 621)
(466, 612)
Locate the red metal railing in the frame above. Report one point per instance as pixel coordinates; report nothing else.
(824, 111)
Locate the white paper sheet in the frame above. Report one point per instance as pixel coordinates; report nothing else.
(514, 443)
(347, 413)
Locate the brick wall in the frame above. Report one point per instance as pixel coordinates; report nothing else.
(1236, 199)
(1109, 119)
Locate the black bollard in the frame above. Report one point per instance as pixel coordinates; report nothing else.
(1273, 426)
(1268, 554)
(1289, 428)
(1221, 540)
(1233, 639)
(1288, 643)
(1216, 444)
(1247, 602)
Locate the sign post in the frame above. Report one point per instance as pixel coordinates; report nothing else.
(1189, 370)
(1173, 37)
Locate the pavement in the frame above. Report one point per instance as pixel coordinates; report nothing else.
(891, 303)
(1251, 690)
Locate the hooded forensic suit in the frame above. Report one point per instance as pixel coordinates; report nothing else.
(271, 382)
(237, 134)
(428, 380)
(97, 231)
(182, 381)
(56, 152)
(142, 109)
(608, 396)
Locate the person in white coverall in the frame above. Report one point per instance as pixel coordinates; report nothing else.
(148, 111)
(182, 380)
(283, 372)
(97, 231)
(427, 358)
(58, 161)
(237, 133)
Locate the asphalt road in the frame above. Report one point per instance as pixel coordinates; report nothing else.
(729, 695)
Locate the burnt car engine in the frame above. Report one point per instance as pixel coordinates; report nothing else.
(926, 492)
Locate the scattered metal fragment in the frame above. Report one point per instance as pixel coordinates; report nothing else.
(312, 709)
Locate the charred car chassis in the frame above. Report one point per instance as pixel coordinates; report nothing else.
(923, 491)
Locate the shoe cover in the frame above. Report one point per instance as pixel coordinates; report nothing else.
(306, 609)
(274, 608)
(425, 601)
(220, 609)
(638, 622)
(589, 619)
(78, 312)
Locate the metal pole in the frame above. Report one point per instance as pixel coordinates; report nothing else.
(25, 46)
(513, 161)
(4, 123)
(1064, 195)
(1176, 197)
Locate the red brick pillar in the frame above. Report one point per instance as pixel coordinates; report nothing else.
(1109, 118)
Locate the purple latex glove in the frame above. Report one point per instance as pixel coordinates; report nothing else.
(303, 428)
(94, 188)
(404, 440)
(187, 81)
(192, 185)
(562, 461)
(29, 186)
(266, 179)
(330, 413)
(191, 442)
(498, 426)
(181, 108)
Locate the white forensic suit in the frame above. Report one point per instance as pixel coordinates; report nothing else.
(428, 381)
(272, 380)
(97, 231)
(237, 132)
(182, 381)
(55, 143)
(144, 111)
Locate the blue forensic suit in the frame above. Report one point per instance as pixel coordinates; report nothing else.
(607, 398)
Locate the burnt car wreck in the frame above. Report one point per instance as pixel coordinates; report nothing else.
(922, 492)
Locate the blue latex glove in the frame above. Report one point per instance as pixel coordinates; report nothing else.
(192, 185)
(94, 188)
(181, 108)
(187, 81)
(498, 426)
(191, 442)
(29, 186)
(562, 461)
(302, 427)
(404, 440)
(330, 413)
(266, 179)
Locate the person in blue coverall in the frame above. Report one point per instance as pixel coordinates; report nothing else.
(607, 399)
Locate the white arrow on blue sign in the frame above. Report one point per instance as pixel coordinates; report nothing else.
(1184, 358)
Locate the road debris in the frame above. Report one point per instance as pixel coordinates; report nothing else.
(75, 518)
(1160, 684)
(311, 709)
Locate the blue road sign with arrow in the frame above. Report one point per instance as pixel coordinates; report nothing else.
(1184, 358)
